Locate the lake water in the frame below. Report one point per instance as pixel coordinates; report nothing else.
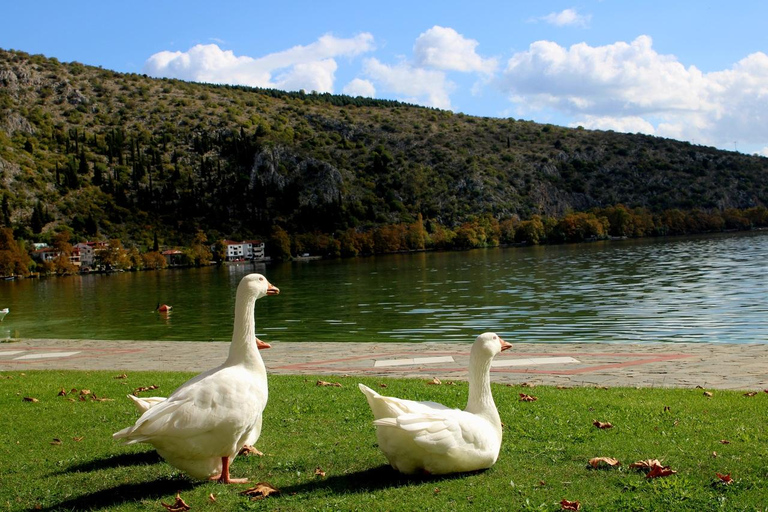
(709, 289)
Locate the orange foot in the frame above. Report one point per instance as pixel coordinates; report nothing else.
(224, 477)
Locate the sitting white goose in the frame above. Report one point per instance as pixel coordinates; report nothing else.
(203, 424)
(432, 438)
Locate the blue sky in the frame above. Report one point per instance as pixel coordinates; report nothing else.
(688, 70)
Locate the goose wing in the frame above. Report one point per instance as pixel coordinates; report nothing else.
(440, 431)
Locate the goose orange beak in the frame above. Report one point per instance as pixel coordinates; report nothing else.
(261, 345)
(504, 345)
(272, 290)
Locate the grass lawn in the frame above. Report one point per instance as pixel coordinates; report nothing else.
(57, 453)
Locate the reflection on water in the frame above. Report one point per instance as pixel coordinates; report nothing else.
(710, 289)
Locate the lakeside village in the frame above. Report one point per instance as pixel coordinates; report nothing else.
(110, 256)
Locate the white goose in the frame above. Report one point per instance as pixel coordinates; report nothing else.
(433, 438)
(202, 425)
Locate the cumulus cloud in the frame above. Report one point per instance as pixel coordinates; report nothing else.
(311, 67)
(444, 48)
(360, 87)
(416, 85)
(631, 87)
(567, 17)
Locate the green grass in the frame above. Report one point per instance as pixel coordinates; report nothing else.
(544, 455)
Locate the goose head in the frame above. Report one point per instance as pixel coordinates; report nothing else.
(256, 286)
(489, 344)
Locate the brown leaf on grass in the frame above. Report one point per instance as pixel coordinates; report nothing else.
(63, 392)
(725, 441)
(595, 461)
(30, 399)
(570, 505)
(56, 441)
(248, 450)
(765, 390)
(527, 398)
(178, 506)
(563, 387)
(708, 394)
(726, 479)
(600, 424)
(332, 384)
(77, 439)
(101, 399)
(84, 392)
(657, 471)
(667, 408)
(211, 498)
(527, 385)
(121, 376)
(751, 393)
(260, 491)
(434, 381)
(319, 472)
(145, 388)
(645, 464)
(382, 385)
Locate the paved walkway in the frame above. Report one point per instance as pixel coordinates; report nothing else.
(712, 366)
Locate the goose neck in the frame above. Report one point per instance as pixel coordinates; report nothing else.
(243, 348)
(480, 401)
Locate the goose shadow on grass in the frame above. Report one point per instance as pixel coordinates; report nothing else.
(109, 498)
(114, 461)
(368, 480)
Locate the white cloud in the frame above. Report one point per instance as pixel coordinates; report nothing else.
(629, 124)
(311, 67)
(444, 48)
(414, 85)
(567, 17)
(629, 86)
(360, 87)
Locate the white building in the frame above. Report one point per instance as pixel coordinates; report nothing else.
(88, 252)
(244, 250)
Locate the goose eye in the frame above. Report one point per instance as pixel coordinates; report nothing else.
(261, 279)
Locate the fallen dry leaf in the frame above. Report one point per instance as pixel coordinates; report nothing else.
(30, 399)
(178, 506)
(527, 385)
(708, 394)
(726, 479)
(144, 388)
(319, 472)
(78, 438)
(527, 398)
(434, 381)
(63, 392)
(101, 399)
(56, 441)
(382, 385)
(600, 424)
(121, 376)
(249, 450)
(645, 464)
(595, 462)
(84, 392)
(657, 471)
(725, 441)
(333, 384)
(211, 497)
(751, 393)
(714, 454)
(570, 505)
(260, 491)
(667, 409)
(562, 387)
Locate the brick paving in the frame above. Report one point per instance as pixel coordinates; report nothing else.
(686, 365)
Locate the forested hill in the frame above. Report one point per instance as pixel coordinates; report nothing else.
(113, 155)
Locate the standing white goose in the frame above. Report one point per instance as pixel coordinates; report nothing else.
(433, 438)
(202, 425)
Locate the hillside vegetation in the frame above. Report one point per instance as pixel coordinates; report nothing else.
(123, 156)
